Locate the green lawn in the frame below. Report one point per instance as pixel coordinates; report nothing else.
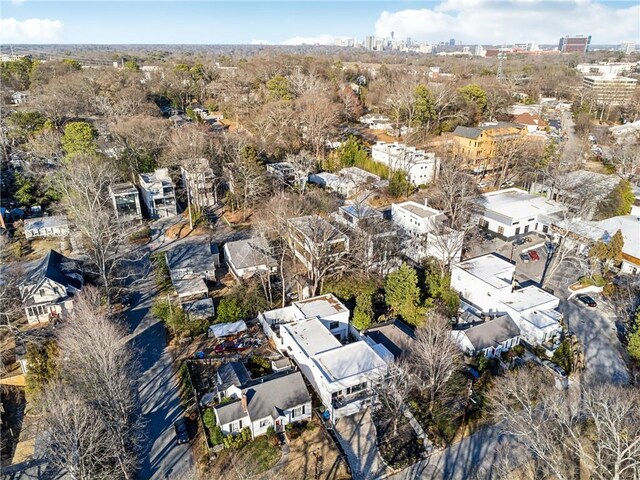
(263, 454)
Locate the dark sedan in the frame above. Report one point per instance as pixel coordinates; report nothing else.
(182, 432)
(587, 300)
(519, 241)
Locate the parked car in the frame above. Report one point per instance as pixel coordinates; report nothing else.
(507, 184)
(482, 185)
(229, 346)
(488, 235)
(524, 257)
(182, 433)
(555, 368)
(518, 241)
(587, 300)
(534, 255)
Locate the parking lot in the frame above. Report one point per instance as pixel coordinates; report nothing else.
(526, 271)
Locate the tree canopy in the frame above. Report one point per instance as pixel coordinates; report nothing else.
(79, 139)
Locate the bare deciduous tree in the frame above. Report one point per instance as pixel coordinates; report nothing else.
(435, 355)
(395, 390)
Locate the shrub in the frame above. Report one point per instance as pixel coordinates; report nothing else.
(518, 350)
(209, 418)
(216, 435)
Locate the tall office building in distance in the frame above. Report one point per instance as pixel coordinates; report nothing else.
(452, 42)
(369, 42)
(628, 47)
(574, 44)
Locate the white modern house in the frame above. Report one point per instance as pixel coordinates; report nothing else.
(425, 232)
(512, 212)
(197, 180)
(376, 121)
(341, 185)
(48, 289)
(326, 308)
(421, 167)
(489, 338)
(273, 401)
(46, 227)
(486, 286)
(342, 375)
(245, 258)
(126, 201)
(158, 193)
(534, 311)
(483, 282)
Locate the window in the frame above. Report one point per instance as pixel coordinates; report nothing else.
(500, 230)
(526, 228)
(515, 223)
(334, 325)
(264, 423)
(531, 220)
(518, 231)
(42, 292)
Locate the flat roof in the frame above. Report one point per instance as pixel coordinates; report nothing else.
(322, 306)
(419, 210)
(120, 188)
(282, 315)
(396, 336)
(516, 203)
(491, 269)
(350, 360)
(312, 336)
(629, 225)
(528, 298)
(543, 318)
(46, 222)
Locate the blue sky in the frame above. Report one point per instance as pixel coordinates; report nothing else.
(216, 22)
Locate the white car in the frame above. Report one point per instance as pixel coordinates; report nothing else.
(482, 184)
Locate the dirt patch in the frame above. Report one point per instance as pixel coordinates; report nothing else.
(313, 454)
(385, 137)
(251, 460)
(181, 230)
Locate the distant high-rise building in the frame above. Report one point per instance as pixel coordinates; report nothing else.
(574, 44)
(478, 51)
(391, 35)
(408, 42)
(628, 47)
(369, 42)
(452, 42)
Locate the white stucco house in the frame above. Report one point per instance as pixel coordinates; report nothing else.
(342, 375)
(534, 311)
(425, 234)
(512, 212)
(420, 166)
(483, 282)
(326, 308)
(48, 289)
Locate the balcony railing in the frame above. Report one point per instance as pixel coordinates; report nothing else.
(345, 400)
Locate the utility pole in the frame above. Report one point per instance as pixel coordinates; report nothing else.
(500, 73)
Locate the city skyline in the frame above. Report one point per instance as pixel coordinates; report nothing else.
(295, 23)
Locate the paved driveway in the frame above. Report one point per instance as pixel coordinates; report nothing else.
(357, 435)
(162, 457)
(474, 457)
(603, 352)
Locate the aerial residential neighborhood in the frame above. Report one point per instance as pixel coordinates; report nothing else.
(320, 240)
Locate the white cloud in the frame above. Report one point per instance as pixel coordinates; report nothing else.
(17, 3)
(318, 40)
(32, 30)
(508, 21)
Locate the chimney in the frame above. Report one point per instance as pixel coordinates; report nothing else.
(244, 402)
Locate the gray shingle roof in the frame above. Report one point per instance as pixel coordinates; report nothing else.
(280, 392)
(230, 412)
(493, 332)
(467, 132)
(233, 373)
(196, 256)
(252, 252)
(395, 336)
(56, 267)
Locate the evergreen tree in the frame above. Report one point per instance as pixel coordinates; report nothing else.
(79, 138)
(402, 294)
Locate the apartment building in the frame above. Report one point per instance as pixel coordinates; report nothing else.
(609, 90)
(198, 179)
(478, 146)
(421, 167)
(158, 193)
(126, 201)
